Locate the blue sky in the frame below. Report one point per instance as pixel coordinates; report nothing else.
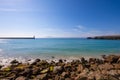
(59, 18)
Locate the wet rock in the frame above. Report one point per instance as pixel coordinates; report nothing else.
(21, 78)
(68, 65)
(83, 60)
(103, 56)
(34, 63)
(53, 63)
(87, 65)
(14, 62)
(42, 76)
(99, 61)
(61, 61)
(92, 60)
(1, 66)
(53, 57)
(37, 60)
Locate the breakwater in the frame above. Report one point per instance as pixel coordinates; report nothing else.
(17, 37)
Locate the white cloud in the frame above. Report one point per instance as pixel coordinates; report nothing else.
(79, 28)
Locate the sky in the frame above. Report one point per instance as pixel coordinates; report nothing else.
(59, 18)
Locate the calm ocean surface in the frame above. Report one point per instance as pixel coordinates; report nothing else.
(58, 47)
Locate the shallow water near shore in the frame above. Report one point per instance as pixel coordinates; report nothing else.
(66, 48)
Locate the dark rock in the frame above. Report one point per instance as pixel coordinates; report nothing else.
(27, 72)
(99, 61)
(92, 60)
(1, 66)
(35, 70)
(65, 60)
(61, 61)
(21, 78)
(83, 60)
(34, 63)
(37, 60)
(53, 57)
(14, 62)
(87, 65)
(103, 56)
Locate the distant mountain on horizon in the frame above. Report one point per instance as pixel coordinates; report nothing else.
(110, 37)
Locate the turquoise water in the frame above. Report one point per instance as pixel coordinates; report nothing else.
(46, 47)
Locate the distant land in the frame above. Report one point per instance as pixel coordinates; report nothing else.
(17, 37)
(109, 37)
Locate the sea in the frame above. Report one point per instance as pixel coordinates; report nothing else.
(55, 48)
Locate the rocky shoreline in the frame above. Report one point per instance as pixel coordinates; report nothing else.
(107, 68)
(113, 37)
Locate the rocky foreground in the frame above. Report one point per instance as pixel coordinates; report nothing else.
(107, 68)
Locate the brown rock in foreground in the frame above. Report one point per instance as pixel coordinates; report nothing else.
(107, 68)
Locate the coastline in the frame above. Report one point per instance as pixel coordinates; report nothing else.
(91, 68)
